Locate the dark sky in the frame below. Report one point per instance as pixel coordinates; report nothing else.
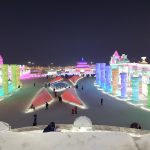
(64, 31)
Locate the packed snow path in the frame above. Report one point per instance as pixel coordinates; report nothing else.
(113, 112)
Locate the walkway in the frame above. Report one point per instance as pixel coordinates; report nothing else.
(113, 112)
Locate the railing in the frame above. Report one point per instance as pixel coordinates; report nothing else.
(94, 128)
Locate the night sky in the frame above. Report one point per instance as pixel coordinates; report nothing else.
(64, 31)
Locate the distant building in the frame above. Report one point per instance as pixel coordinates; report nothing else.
(82, 67)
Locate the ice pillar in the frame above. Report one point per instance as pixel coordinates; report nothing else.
(13, 73)
(108, 79)
(5, 79)
(102, 69)
(148, 95)
(115, 80)
(17, 75)
(123, 76)
(135, 88)
(98, 73)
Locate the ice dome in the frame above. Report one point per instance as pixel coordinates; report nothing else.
(82, 121)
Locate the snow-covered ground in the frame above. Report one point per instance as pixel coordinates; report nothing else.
(113, 112)
(80, 135)
(67, 141)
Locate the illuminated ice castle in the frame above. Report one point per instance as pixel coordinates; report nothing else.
(83, 67)
(9, 78)
(123, 78)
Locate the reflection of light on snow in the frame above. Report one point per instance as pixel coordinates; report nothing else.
(73, 104)
(96, 85)
(131, 103)
(116, 96)
(1, 98)
(127, 99)
(144, 108)
(30, 110)
(81, 129)
(134, 135)
(76, 81)
(58, 90)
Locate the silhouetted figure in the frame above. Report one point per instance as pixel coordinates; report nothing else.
(54, 90)
(47, 77)
(75, 109)
(135, 125)
(72, 111)
(50, 127)
(77, 86)
(60, 99)
(34, 84)
(18, 86)
(55, 93)
(46, 105)
(35, 120)
(32, 107)
(82, 87)
(101, 101)
(49, 84)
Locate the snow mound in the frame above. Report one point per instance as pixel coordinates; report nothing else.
(82, 121)
(66, 141)
(4, 126)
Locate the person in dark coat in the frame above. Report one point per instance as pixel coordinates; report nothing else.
(75, 109)
(135, 125)
(82, 87)
(49, 84)
(46, 105)
(60, 99)
(35, 120)
(101, 101)
(72, 111)
(77, 86)
(55, 93)
(50, 127)
(34, 84)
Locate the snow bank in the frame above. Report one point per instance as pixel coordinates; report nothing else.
(4, 126)
(144, 142)
(66, 141)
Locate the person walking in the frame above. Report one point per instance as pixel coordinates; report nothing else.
(77, 86)
(34, 84)
(75, 109)
(82, 87)
(35, 120)
(46, 105)
(101, 101)
(72, 111)
(55, 93)
(60, 99)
